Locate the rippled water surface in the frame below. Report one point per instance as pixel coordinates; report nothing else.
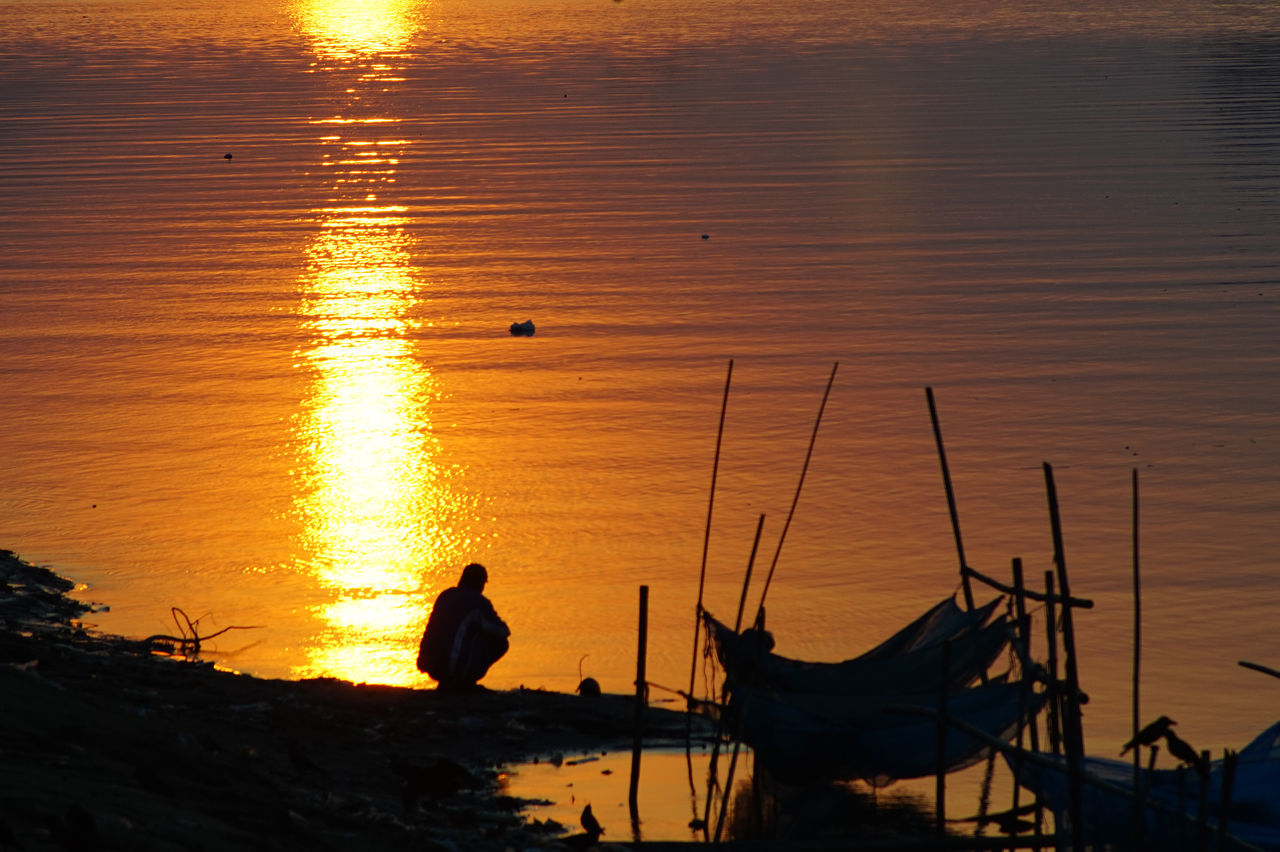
(258, 262)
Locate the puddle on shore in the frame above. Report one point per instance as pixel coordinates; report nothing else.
(665, 802)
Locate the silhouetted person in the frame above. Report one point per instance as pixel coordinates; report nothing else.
(464, 634)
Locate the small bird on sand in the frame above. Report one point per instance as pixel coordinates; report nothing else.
(1182, 750)
(1150, 734)
(590, 824)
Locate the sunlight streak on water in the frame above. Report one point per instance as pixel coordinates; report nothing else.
(349, 30)
(383, 522)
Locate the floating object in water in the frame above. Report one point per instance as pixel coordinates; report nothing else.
(522, 329)
(226, 156)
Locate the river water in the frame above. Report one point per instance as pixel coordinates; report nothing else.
(258, 262)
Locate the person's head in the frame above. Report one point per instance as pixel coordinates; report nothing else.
(474, 577)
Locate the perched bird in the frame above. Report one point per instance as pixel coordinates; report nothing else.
(1182, 750)
(590, 824)
(591, 837)
(1150, 734)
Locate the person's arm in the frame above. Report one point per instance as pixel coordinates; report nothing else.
(491, 623)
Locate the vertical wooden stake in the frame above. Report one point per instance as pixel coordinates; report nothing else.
(1138, 798)
(1073, 733)
(1054, 720)
(1229, 758)
(641, 701)
(1202, 818)
(1024, 631)
(940, 743)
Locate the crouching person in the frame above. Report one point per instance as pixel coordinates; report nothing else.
(464, 634)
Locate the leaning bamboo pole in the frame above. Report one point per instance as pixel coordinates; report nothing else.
(951, 500)
(804, 469)
(706, 538)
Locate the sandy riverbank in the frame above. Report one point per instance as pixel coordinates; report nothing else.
(110, 746)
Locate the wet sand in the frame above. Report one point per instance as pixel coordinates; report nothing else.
(111, 746)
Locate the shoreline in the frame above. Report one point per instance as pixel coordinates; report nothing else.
(111, 746)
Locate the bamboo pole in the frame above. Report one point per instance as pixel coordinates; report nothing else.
(1229, 760)
(951, 499)
(804, 469)
(1054, 720)
(1024, 631)
(746, 583)
(641, 702)
(720, 720)
(1258, 667)
(1030, 594)
(706, 540)
(1137, 669)
(940, 744)
(1071, 728)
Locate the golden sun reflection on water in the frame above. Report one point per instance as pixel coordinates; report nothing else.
(351, 29)
(383, 524)
(381, 520)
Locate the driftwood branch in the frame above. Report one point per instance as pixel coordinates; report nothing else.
(190, 639)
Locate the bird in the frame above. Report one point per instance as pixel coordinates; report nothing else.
(590, 824)
(1148, 735)
(1182, 750)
